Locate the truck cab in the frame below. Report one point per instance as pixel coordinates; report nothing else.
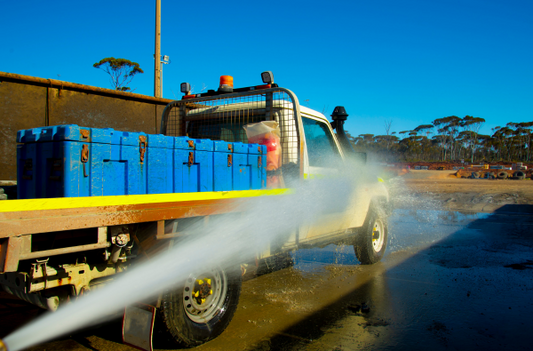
(310, 149)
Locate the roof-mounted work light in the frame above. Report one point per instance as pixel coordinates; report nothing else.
(267, 77)
(185, 88)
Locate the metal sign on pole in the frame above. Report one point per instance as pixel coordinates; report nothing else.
(166, 60)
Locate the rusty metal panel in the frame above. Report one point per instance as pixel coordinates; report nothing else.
(29, 102)
(72, 107)
(21, 107)
(159, 114)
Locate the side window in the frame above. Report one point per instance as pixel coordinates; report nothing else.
(321, 148)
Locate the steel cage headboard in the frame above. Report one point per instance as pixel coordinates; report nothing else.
(236, 109)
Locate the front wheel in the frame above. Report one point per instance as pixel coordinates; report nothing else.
(202, 307)
(371, 243)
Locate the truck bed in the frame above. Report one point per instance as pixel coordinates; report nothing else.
(20, 220)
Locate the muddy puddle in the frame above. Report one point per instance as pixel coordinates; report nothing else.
(408, 230)
(450, 280)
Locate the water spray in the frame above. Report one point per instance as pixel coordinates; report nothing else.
(229, 242)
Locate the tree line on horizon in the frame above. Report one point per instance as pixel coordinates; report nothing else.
(449, 139)
(446, 139)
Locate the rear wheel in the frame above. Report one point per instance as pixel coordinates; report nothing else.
(371, 242)
(202, 307)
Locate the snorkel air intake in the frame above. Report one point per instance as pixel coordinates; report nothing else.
(339, 116)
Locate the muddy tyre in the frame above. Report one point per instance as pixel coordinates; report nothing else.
(519, 175)
(201, 308)
(371, 242)
(502, 175)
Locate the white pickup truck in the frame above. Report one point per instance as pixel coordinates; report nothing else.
(97, 238)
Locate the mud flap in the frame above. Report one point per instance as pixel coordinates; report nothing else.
(138, 326)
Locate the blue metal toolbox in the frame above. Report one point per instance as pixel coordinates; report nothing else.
(239, 166)
(158, 160)
(193, 165)
(257, 160)
(73, 161)
(223, 165)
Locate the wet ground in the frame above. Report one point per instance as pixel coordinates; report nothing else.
(450, 280)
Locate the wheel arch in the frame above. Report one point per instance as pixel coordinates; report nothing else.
(381, 205)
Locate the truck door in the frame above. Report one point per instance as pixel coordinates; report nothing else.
(322, 159)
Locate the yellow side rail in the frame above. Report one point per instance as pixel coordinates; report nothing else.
(125, 200)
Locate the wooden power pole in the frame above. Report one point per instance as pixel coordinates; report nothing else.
(157, 56)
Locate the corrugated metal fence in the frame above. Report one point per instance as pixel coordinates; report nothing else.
(29, 102)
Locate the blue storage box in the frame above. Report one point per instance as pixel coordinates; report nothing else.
(257, 160)
(241, 173)
(239, 166)
(193, 165)
(72, 161)
(159, 158)
(249, 166)
(223, 166)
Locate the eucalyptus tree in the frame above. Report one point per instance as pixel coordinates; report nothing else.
(449, 126)
(120, 70)
(503, 141)
(425, 128)
(386, 146)
(471, 127)
(367, 138)
(388, 124)
(528, 126)
(486, 150)
(515, 140)
(521, 137)
(440, 140)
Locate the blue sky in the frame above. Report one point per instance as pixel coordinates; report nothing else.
(409, 62)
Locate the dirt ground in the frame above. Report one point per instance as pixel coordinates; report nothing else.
(431, 189)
